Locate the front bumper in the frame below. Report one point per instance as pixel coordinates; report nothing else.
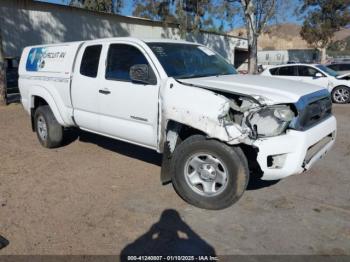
(296, 151)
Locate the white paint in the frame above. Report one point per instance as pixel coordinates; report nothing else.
(294, 145)
(276, 90)
(200, 109)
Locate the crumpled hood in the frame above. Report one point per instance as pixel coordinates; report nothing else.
(274, 90)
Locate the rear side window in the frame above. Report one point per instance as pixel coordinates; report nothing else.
(334, 67)
(307, 71)
(344, 67)
(120, 58)
(90, 60)
(274, 71)
(286, 71)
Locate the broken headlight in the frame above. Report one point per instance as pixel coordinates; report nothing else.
(270, 121)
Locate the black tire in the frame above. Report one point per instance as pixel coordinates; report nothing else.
(54, 131)
(233, 159)
(336, 98)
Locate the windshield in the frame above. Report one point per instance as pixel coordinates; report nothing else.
(327, 70)
(190, 61)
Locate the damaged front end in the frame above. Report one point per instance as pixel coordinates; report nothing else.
(231, 118)
(283, 137)
(255, 119)
(228, 117)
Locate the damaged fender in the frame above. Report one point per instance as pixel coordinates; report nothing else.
(232, 119)
(201, 109)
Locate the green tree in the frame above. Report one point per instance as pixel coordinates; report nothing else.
(155, 10)
(256, 15)
(339, 47)
(322, 19)
(189, 15)
(108, 6)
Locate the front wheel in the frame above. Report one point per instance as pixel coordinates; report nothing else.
(209, 174)
(341, 95)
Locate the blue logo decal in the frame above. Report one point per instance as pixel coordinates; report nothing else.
(35, 59)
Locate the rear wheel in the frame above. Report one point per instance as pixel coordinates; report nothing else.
(48, 130)
(209, 174)
(341, 95)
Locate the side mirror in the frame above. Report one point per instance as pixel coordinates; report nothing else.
(318, 74)
(142, 73)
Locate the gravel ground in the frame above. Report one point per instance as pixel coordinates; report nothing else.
(100, 196)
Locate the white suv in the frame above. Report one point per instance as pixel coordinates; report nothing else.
(338, 85)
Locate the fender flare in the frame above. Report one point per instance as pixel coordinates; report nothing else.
(40, 91)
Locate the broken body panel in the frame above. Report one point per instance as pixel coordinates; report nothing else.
(207, 109)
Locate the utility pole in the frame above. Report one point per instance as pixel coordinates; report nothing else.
(3, 95)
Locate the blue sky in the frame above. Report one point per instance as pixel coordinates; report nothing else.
(127, 10)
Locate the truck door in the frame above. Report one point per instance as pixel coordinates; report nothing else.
(128, 110)
(85, 86)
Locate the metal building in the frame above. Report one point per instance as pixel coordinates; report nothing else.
(28, 22)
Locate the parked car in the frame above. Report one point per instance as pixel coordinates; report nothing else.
(337, 85)
(11, 65)
(183, 100)
(340, 68)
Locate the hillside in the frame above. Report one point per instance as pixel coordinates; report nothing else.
(285, 36)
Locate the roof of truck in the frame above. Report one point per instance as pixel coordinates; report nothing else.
(131, 39)
(157, 40)
(146, 40)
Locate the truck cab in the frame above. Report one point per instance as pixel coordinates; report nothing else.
(215, 128)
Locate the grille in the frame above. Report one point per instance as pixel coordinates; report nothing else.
(312, 110)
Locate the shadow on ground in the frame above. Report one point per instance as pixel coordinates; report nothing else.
(257, 183)
(169, 236)
(3, 242)
(148, 155)
(117, 146)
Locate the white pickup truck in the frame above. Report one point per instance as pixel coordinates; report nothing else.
(214, 127)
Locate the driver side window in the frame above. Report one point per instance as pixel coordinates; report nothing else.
(121, 58)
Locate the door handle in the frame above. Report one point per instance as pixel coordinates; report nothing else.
(104, 91)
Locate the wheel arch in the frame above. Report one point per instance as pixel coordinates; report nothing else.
(342, 85)
(174, 133)
(39, 97)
